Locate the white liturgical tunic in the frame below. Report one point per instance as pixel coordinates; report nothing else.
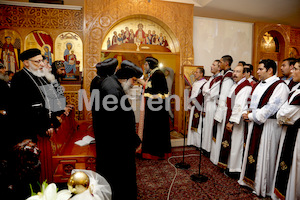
(268, 146)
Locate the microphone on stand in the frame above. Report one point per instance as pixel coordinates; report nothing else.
(199, 177)
(182, 164)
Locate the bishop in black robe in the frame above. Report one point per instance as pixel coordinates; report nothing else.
(116, 138)
(156, 135)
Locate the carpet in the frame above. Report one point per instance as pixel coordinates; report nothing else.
(154, 178)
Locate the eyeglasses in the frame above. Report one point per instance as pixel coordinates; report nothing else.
(36, 61)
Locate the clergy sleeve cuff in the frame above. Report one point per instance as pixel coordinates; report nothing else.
(253, 116)
(234, 120)
(250, 116)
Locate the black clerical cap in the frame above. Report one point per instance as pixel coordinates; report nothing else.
(107, 67)
(57, 64)
(153, 62)
(30, 53)
(129, 70)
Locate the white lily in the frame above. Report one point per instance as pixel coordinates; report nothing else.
(50, 193)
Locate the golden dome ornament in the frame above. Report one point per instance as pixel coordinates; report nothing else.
(78, 182)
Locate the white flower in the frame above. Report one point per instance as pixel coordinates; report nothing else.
(50, 193)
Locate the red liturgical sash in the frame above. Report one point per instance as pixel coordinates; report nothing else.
(215, 80)
(214, 132)
(285, 161)
(255, 138)
(197, 113)
(226, 141)
(287, 152)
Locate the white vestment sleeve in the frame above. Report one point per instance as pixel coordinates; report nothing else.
(239, 104)
(288, 114)
(222, 108)
(279, 96)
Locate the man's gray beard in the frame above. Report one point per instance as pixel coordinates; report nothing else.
(49, 76)
(126, 85)
(37, 73)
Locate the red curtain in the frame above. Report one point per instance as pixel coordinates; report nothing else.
(43, 38)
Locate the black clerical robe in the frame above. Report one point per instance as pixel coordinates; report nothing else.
(27, 108)
(156, 136)
(29, 118)
(116, 140)
(95, 85)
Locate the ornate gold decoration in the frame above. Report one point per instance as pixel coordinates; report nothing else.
(21, 16)
(225, 144)
(283, 166)
(251, 159)
(71, 94)
(196, 115)
(149, 85)
(104, 21)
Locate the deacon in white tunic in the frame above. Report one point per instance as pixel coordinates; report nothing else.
(232, 146)
(195, 121)
(263, 132)
(220, 115)
(210, 92)
(286, 183)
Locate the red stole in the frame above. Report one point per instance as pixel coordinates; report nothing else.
(292, 84)
(226, 140)
(197, 113)
(214, 131)
(286, 159)
(215, 80)
(246, 123)
(255, 137)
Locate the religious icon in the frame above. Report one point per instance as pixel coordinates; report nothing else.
(70, 61)
(10, 50)
(140, 34)
(69, 50)
(48, 54)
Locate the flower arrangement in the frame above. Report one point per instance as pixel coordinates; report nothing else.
(82, 184)
(49, 192)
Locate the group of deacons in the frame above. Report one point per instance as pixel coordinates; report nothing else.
(249, 128)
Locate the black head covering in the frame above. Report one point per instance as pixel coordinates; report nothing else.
(153, 62)
(129, 70)
(30, 53)
(107, 67)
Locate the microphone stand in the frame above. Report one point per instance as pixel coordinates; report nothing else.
(182, 164)
(199, 177)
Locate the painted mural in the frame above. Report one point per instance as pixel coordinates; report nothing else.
(138, 31)
(69, 49)
(10, 46)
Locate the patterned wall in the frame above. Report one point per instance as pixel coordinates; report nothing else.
(33, 17)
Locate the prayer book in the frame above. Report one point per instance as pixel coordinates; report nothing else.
(86, 140)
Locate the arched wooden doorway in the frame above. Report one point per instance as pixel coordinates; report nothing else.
(101, 16)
